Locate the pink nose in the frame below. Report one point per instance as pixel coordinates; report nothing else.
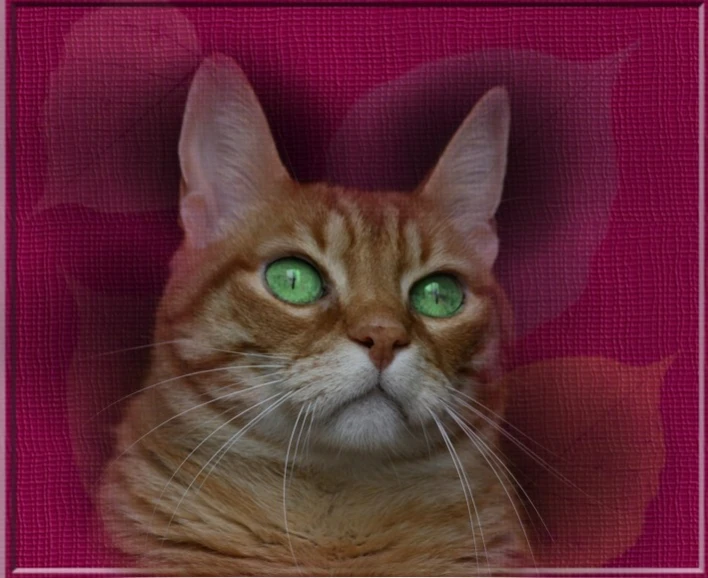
(382, 336)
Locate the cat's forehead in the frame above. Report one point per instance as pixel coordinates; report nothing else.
(366, 239)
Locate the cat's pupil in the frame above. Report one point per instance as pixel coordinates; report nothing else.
(436, 292)
(437, 295)
(294, 281)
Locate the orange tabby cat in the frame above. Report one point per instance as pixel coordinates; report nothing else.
(321, 398)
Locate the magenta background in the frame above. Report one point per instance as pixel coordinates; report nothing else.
(309, 65)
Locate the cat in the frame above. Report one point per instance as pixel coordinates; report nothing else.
(323, 395)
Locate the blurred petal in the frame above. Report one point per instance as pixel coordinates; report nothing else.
(597, 423)
(561, 173)
(103, 371)
(114, 109)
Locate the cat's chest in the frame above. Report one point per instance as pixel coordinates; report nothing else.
(334, 518)
(248, 518)
(334, 526)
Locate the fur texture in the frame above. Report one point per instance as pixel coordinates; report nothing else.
(349, 436)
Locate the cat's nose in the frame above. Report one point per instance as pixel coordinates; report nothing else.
(382, 336)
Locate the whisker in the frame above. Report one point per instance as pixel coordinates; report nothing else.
(473, 437)
(234, 383)
(515, 481)
(223, 451)
(223, 425)
(182, 340)
(213, 400)
(501, 418)
(390, 457)
(136, 348)
(463, 481)
(210, 394)
(528, 451)
(285, 486)
(507, 472)
(309, 429)
(427, 440)
(171, 379)
(241, 433)
(297, 442)
(251, 354)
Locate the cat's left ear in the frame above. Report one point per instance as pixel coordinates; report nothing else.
(468, 179)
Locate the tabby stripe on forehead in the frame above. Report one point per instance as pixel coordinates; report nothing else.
(359, 254)
(338, 234)
(391, 224)
(391, 237)
(343, 240)
(318, 234)
(326, 242)
(412, 239)
(352, 220)
(402, 262)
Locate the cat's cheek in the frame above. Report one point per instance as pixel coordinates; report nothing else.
(198, 342)
(473, 313)
(460, 340)
(430, 402)
(486, 365)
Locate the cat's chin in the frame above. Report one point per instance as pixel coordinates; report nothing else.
(371, 423)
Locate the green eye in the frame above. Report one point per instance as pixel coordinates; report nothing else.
(294, 281)
(438, 295)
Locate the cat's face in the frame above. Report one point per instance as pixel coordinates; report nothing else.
(358, 314)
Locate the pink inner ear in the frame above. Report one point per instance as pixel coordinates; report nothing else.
(486, 243)
(469, 174)
(195, 217)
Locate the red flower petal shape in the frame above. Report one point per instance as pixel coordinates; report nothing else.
(561, 175)
(114, 108)
(597, 425)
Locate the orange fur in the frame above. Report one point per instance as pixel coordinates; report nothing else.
(381, 499)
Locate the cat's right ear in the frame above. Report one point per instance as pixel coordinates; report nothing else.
(227, 154)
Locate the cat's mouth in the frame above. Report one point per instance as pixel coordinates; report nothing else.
(374, 395)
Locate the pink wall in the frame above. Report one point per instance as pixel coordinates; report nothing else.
(599, 229)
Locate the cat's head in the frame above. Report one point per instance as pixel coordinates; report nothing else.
(358, 313)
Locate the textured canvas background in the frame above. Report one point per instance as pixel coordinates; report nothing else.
(599, 230)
